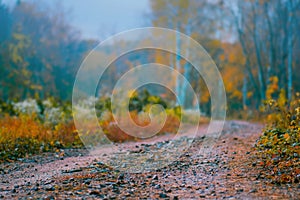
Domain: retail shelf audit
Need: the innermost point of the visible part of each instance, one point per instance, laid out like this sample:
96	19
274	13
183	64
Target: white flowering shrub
53	115
84	108
28	106
88	102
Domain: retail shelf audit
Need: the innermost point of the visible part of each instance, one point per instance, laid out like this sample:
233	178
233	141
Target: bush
139	107
279	146
33	126
26	135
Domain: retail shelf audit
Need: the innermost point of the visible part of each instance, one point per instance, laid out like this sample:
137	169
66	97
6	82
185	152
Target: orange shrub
115	134
26	135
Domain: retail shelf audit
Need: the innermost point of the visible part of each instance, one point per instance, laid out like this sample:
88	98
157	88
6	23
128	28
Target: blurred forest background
254	43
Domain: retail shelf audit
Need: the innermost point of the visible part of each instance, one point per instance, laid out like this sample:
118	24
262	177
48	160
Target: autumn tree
266	32
193	19
40	51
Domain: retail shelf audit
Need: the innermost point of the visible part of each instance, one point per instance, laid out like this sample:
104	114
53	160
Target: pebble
50	197
157	186
94	192
253	190
162	195
87	182
49	188
240	190
121	177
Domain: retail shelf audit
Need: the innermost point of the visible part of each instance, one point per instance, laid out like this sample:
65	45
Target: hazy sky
100	18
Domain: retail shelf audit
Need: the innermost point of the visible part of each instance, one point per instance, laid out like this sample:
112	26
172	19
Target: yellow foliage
272	87
25	134
281	137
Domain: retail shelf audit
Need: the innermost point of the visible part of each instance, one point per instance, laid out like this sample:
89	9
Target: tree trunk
178	66
245	91
187	101
289	50
261	77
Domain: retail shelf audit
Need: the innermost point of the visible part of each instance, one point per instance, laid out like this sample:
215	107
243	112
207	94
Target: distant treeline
39	52
255	44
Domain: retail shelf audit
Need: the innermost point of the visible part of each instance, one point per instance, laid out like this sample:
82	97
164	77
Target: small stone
100	163
157	186
87	182
168	190
49	188
162	195
50	197
94	192
240	190
253	191
155	177
121	177
127	194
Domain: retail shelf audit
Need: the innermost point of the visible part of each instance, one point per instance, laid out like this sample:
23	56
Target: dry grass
26	135
115	134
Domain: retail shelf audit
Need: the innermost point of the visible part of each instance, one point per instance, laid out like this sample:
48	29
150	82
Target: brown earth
228	170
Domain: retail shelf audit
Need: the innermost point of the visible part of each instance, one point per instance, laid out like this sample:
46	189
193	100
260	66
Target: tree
191	18
265	30
40	52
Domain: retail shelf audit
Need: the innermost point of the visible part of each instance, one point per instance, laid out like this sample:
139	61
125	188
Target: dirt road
227	171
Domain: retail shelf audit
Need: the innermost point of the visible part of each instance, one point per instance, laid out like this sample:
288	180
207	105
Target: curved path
226	170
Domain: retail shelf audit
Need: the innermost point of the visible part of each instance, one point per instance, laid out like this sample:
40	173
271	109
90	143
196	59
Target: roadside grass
25	135
33	126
